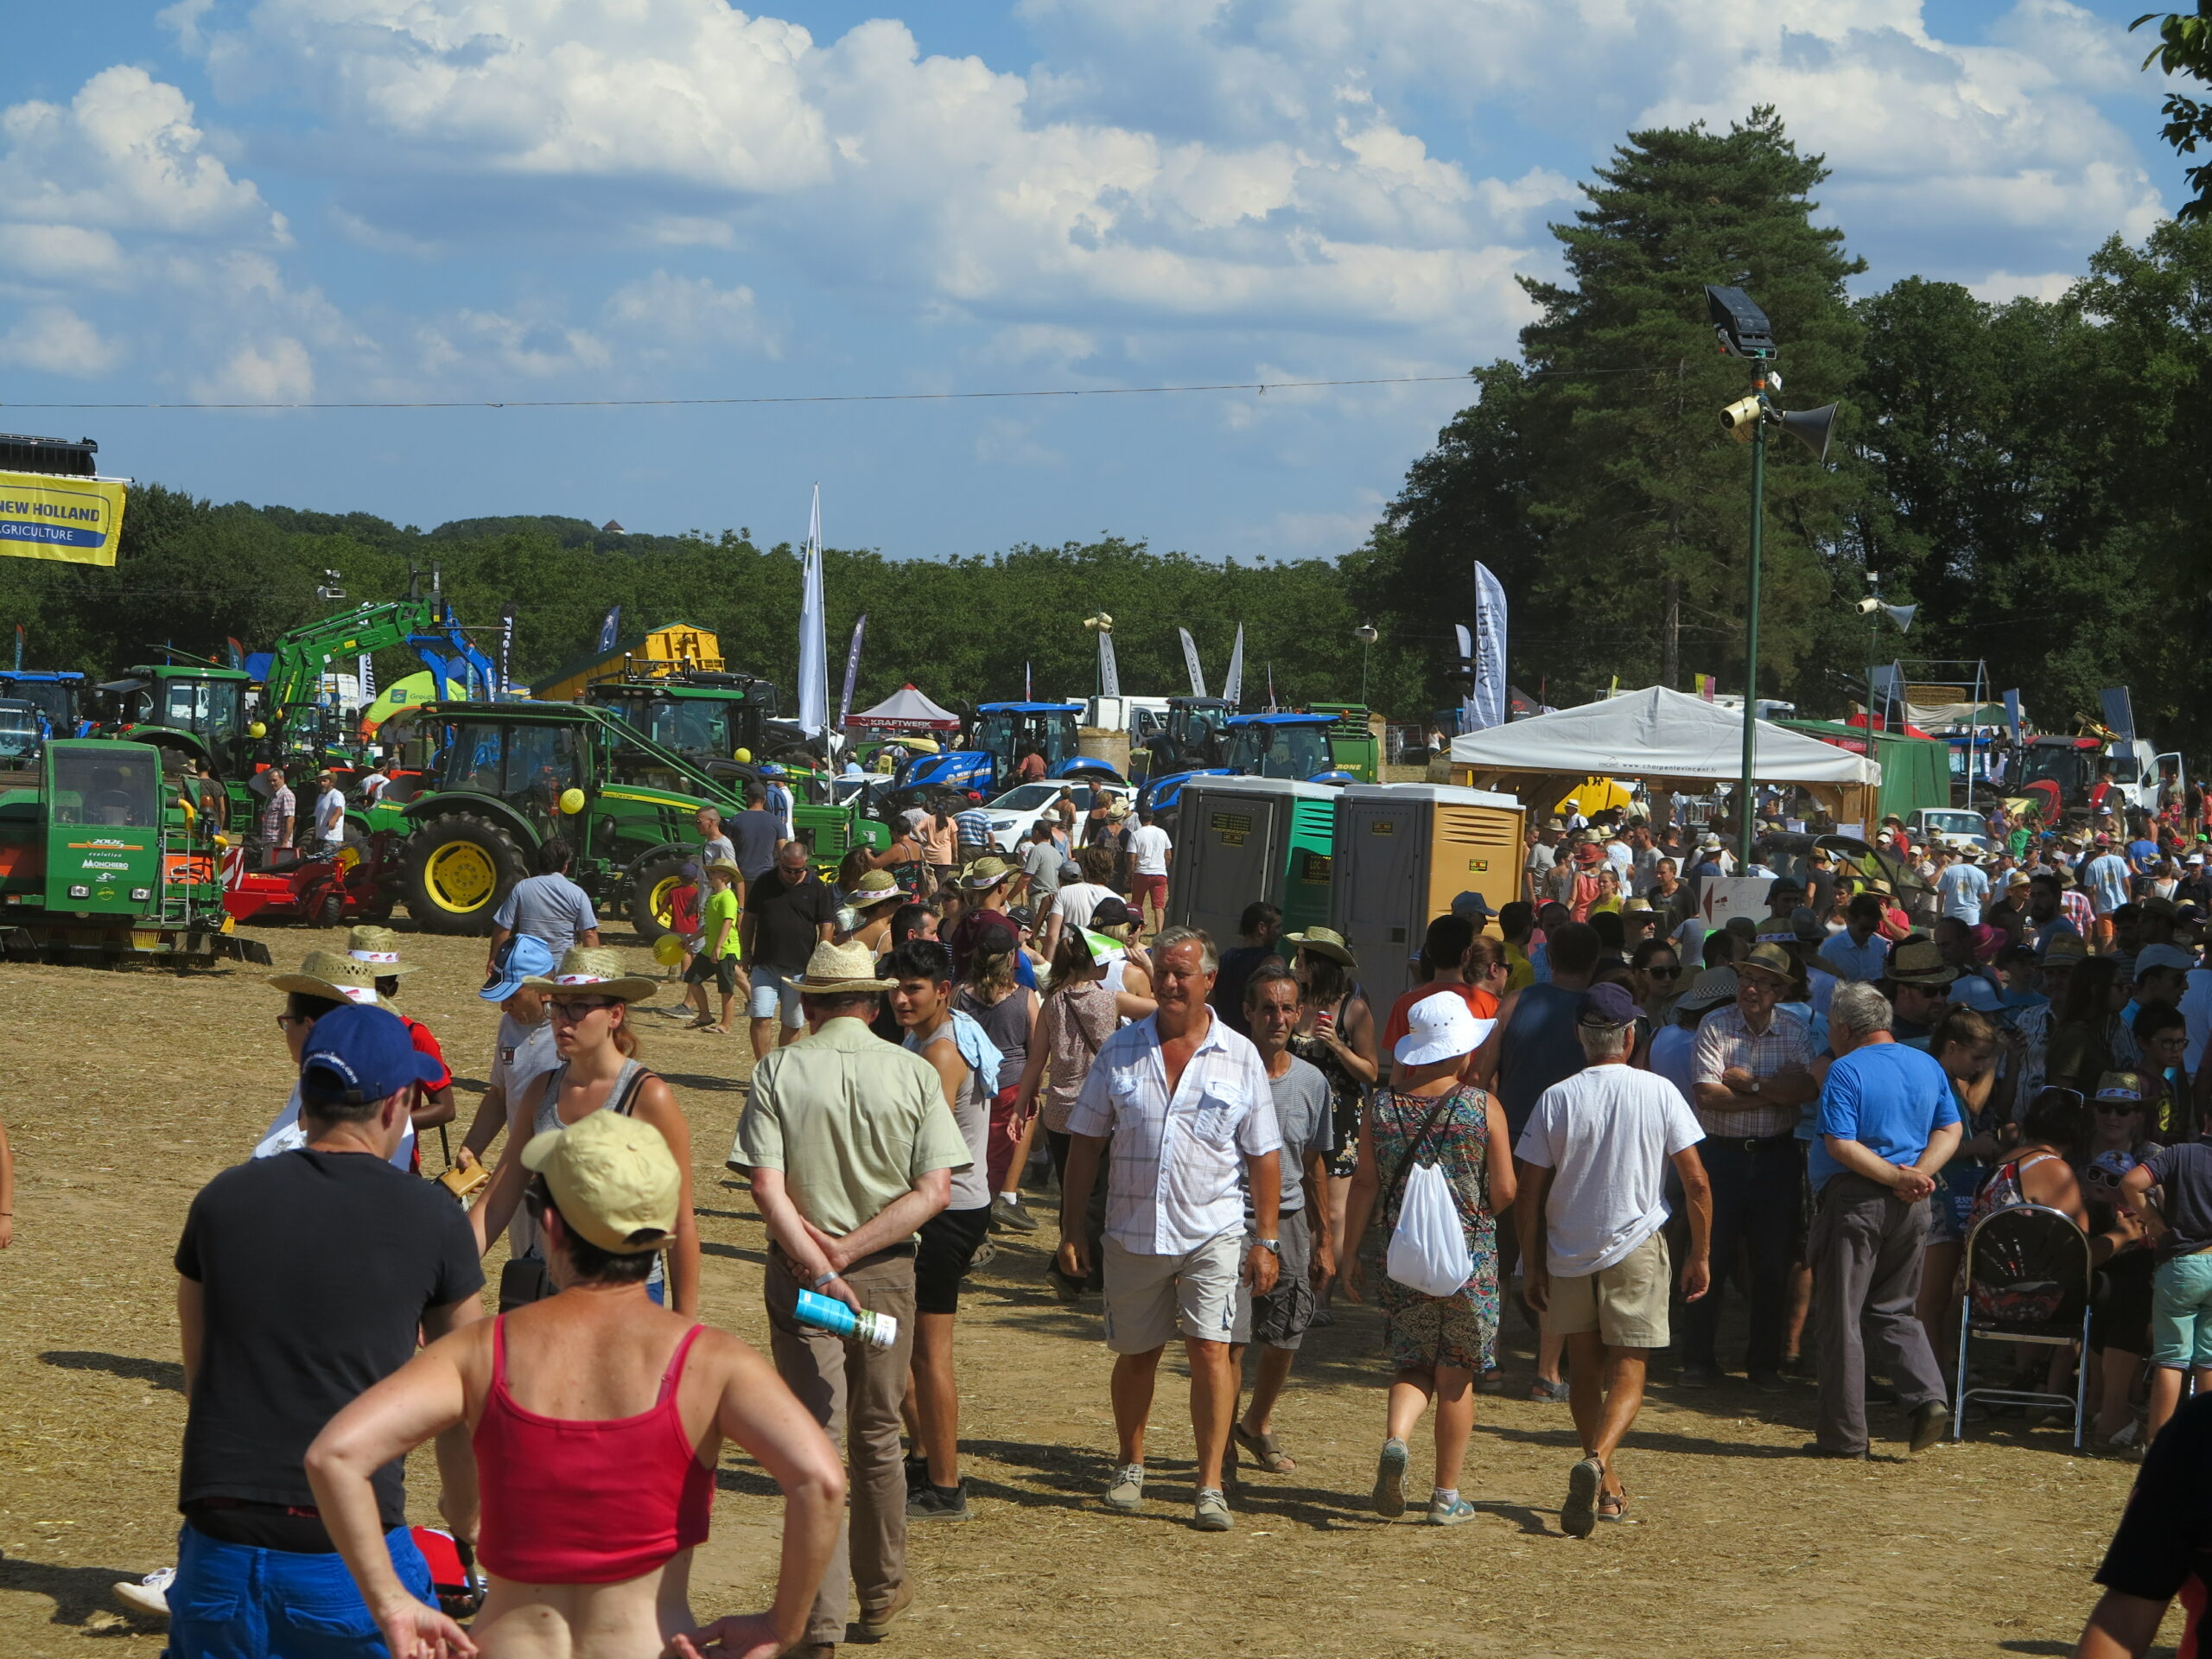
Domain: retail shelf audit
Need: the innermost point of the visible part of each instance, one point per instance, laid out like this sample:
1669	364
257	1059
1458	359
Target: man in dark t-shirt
787	913
303	1280
2163	1546
1258	928
755	834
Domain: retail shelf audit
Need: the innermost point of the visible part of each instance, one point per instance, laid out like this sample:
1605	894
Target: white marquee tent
905	710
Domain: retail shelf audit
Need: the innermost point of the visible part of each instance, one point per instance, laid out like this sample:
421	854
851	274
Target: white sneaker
150	1595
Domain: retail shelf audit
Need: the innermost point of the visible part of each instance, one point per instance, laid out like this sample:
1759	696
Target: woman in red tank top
595	1419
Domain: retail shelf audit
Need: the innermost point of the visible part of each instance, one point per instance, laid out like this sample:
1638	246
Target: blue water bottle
878	1330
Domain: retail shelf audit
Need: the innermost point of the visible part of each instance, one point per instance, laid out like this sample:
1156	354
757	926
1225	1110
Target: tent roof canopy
1656	733
905	710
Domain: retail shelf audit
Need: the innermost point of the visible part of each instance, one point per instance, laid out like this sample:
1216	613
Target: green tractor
711	720
101	864
500	780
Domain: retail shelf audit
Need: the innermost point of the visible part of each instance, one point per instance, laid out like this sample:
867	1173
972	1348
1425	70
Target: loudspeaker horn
1811	427
1902	615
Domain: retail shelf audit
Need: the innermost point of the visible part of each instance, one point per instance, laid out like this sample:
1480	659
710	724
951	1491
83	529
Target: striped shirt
974	827
1725	1039
1176	1174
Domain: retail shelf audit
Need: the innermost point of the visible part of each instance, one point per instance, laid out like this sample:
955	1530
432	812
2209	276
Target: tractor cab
1003	734
56	696
1194	737
103	828
1283	746
708	718
2058	774
22	728
205	707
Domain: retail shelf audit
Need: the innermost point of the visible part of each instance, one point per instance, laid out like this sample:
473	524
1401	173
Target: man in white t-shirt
1073	903
1961	886
329	814
524	1052
1149	852
1596	1151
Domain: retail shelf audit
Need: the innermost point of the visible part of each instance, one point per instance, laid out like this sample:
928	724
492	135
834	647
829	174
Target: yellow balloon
257	730
743	757
572	801
668	950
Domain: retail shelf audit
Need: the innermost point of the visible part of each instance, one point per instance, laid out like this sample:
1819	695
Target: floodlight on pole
1367	635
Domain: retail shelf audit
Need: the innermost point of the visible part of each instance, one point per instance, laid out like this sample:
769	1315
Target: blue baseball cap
1607	1006
527	957
365	1053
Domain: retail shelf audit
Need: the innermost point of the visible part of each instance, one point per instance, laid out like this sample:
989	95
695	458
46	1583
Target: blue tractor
55	696
1001	733
1259	746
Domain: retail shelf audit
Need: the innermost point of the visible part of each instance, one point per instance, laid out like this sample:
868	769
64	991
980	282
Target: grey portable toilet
1403	853
1242	840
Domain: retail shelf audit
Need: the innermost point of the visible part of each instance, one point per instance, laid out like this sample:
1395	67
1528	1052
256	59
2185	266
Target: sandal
1264	1450
1554	1394
1492	1381
1613	1506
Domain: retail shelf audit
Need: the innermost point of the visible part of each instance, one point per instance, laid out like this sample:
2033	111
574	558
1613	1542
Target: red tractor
355	883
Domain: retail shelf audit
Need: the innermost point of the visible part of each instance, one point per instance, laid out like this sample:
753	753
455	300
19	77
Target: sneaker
1441	1514
928	1502
1126	1493
1929	1422
1011	1216
1210	1513
150	1595
875	1623
1390	1480
2121	1439
1768	1382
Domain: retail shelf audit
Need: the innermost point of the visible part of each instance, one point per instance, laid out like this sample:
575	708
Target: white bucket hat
1438	1028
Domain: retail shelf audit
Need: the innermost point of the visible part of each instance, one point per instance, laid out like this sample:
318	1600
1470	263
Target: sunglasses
574	1012
1664	973
2118	1108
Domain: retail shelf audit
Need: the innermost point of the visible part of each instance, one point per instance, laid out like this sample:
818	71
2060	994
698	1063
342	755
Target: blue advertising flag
610	630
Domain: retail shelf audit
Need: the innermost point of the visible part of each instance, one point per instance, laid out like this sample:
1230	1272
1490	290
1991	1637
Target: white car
1023	804
1954	826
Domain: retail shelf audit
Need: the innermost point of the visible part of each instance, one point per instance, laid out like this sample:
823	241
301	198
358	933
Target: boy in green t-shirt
718	950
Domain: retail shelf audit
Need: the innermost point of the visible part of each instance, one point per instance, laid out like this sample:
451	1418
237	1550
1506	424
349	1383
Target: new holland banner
70	520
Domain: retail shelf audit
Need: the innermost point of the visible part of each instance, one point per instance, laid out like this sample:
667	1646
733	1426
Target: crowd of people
1593	1111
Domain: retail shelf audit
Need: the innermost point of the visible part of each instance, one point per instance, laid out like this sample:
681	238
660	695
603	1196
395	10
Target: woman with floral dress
1438	1344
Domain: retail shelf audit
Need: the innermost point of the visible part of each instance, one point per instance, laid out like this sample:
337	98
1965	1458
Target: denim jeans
233	1602
1755	1199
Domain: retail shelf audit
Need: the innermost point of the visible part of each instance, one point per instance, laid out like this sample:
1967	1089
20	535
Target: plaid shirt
2073	906
1725	1039
974	827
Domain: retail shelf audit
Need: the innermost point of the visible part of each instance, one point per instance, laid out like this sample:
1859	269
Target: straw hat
599	971
876	887
327	974
380	947
1767	957
1323	942
724	867
1920	962
985	873
836	969
2065	949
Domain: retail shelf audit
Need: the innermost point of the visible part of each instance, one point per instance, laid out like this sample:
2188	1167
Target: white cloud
62	252
277	370
53	339
125	155
677	314
2002	285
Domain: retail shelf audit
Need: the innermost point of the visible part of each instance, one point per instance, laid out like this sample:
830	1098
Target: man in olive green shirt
850	1147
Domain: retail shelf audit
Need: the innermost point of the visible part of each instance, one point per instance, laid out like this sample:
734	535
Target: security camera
1741	418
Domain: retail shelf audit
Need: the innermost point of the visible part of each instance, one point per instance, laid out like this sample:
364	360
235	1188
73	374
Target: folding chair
2028	1277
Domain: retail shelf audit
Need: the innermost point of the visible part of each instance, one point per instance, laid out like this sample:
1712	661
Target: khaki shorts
1624	1304
1149	1297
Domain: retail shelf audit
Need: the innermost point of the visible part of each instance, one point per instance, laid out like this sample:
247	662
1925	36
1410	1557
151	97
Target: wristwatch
1272	1246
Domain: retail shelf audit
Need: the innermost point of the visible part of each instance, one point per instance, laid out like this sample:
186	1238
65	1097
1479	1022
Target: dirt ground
124	1092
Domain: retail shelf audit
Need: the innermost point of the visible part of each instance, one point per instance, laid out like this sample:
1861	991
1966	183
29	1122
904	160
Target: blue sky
508	200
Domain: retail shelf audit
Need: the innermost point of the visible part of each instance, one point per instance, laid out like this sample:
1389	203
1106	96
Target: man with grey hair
1591	1215
1187	1104
1888	1123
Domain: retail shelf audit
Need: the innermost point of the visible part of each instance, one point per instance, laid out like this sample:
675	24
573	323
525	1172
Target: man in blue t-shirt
1888	1123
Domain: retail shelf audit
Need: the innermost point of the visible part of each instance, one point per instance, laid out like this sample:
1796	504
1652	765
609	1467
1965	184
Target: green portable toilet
1243	840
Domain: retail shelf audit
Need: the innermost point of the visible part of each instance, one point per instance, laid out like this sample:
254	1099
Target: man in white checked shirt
1187	1102
1751	1070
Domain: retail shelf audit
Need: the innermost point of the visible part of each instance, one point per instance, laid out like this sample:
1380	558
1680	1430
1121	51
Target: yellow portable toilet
1403	853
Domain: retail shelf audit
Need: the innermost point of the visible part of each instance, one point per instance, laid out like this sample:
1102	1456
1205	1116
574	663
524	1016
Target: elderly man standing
1190	1110
1888	1123
1751	1070
1593	1249
850	1147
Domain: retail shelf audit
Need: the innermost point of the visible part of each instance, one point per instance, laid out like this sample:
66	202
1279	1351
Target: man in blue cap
304	1278
523	1051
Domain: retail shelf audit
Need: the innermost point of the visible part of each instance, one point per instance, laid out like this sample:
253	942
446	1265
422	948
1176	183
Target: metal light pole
1366	634
1747	802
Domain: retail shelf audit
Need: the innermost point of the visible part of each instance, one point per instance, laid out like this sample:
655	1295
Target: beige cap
614	1178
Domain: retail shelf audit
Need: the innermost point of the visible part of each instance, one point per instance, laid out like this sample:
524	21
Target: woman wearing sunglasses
1658	969
588	998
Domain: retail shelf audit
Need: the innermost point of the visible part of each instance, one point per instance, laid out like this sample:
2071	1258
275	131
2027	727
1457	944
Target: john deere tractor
500	780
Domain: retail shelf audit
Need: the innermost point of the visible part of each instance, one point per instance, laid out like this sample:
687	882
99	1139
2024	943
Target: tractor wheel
649	887
458	870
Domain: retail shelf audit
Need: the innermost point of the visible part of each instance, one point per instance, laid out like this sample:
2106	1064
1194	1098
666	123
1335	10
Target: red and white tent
905	710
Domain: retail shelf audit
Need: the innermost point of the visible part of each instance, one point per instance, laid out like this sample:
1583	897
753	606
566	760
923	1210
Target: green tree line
2035	474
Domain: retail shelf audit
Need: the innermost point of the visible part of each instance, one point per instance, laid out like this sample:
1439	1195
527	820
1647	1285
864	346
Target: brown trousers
854	1392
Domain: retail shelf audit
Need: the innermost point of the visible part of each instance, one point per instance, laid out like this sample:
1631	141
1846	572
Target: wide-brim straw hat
1920	962
380	947
836	969
598	971
986	873
876	887
1323	942
338	978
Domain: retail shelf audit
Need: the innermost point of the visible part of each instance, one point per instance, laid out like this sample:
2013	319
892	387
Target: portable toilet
1243	840
1403	853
